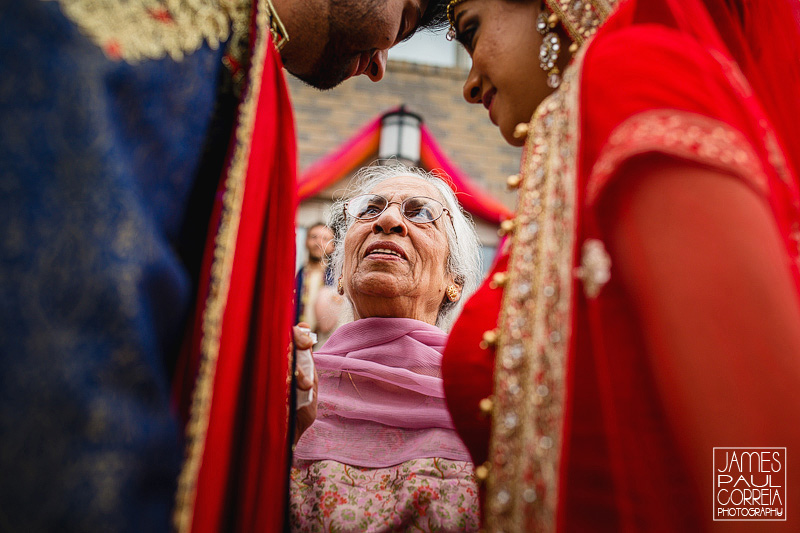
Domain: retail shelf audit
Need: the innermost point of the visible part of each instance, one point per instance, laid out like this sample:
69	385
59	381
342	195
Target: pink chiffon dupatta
381	399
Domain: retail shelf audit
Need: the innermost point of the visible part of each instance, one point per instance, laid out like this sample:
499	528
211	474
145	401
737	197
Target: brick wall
325	119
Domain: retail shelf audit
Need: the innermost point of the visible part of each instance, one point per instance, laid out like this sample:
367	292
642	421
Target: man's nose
377	65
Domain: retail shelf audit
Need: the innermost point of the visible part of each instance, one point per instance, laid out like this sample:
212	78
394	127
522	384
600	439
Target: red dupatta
761	36
233	478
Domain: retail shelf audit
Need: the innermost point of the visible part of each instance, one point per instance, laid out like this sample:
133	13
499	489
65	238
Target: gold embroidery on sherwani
219	284
137	30
535	323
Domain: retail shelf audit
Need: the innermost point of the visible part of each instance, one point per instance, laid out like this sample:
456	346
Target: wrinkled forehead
402	187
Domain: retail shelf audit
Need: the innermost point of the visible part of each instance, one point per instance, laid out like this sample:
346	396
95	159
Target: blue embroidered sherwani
99	154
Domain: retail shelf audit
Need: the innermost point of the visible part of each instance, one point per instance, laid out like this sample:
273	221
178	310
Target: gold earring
452	293
340	287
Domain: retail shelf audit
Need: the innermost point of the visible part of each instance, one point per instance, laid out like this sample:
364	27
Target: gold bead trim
535	323
521	130
489	339
486	405
499	279
482	472
506	227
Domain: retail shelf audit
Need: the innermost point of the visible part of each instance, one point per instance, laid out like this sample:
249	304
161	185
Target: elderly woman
382	454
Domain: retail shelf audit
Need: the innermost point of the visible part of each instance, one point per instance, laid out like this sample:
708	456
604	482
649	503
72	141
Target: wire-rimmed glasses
417	209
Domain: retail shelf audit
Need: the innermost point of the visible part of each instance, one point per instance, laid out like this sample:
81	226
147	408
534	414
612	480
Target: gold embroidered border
775	153
136	30
741	85
216	301
581	18
681	134
535	323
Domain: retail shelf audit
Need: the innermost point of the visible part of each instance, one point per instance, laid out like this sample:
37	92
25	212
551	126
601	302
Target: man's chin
322	80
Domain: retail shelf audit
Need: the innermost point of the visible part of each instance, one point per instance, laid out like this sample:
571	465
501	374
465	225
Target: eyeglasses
418	209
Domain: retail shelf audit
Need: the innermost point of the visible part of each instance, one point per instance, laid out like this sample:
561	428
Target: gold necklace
276	28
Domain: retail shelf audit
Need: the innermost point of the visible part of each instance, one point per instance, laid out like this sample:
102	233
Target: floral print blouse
418	495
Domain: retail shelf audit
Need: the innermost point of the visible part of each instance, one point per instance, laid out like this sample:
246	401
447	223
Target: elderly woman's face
394	267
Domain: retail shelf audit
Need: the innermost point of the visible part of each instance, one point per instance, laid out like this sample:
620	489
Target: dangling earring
340	287
550	47
452	293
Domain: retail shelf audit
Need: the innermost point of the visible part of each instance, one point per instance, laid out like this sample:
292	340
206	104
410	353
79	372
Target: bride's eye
466	37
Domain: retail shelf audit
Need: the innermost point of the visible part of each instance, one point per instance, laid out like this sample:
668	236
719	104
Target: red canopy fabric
356	152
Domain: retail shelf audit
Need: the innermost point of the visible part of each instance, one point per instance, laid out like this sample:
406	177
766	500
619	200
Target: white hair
464	258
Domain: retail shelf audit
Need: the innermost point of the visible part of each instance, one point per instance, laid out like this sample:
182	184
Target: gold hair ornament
580	18
451	32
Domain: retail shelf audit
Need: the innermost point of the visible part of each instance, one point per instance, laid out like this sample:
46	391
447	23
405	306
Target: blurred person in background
311	279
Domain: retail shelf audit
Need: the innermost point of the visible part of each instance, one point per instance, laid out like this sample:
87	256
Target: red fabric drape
241	481
762	36
364	143
341	162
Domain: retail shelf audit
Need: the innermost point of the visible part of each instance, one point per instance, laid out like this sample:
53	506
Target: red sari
584	435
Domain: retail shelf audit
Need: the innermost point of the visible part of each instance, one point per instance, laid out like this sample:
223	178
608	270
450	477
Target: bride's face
501	38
